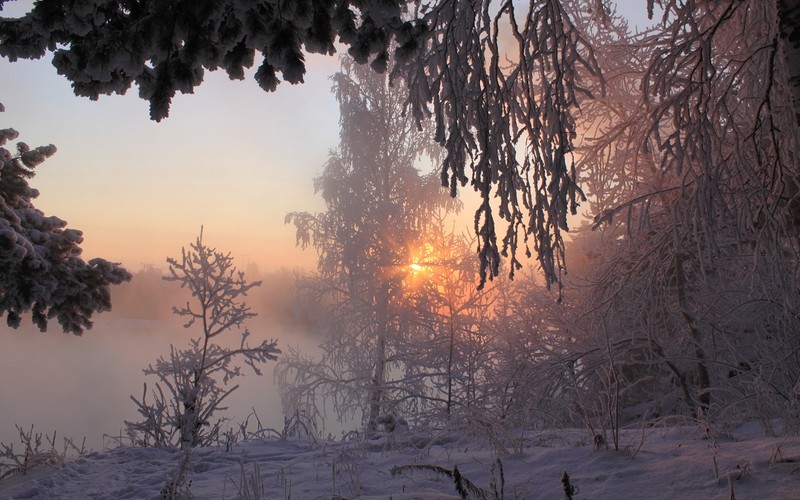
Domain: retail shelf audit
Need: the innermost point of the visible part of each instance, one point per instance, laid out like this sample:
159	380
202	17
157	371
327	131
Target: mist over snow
620	319
81	386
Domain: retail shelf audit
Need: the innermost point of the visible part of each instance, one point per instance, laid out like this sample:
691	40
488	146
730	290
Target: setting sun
421	259
416	271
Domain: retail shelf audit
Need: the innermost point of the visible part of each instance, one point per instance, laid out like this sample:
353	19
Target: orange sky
231	157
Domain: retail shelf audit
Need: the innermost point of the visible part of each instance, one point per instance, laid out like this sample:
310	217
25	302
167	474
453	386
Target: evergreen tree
41	270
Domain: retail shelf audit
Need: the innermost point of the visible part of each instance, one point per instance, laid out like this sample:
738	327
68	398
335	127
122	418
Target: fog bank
81	386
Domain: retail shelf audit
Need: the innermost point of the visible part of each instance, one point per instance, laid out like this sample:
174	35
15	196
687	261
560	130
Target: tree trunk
701	367
378	378
789	22
450	365
379	375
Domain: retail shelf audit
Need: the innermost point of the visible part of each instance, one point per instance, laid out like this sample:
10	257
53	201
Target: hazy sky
230	157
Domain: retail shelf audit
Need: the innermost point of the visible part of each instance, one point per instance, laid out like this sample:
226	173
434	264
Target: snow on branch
42	271
506	121
501	85
193	382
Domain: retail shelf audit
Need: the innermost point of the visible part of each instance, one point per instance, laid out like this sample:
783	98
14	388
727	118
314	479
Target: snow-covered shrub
534	356
34	454
42	271
390	422
299	424
193	382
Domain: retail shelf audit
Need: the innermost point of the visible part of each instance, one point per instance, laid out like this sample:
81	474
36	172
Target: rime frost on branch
41	270
193	382
501	85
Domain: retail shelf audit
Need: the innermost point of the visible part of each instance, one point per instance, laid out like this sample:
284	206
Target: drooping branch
507	126
717	87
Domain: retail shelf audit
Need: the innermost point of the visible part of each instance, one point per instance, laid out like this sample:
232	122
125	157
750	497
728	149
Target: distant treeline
148	296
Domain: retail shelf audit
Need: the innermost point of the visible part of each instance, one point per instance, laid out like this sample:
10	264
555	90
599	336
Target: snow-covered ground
667	462
85	390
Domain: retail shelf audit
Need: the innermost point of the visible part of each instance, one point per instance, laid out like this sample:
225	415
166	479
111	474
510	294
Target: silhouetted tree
503	86
507	124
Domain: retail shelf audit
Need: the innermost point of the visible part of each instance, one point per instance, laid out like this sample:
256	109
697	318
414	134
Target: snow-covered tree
503	85
378	204
41	269
679	141
193	382
530	377
452	346
694	273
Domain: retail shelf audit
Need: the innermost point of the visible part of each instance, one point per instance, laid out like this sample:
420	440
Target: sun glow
416	268
421	258
420	266
417	271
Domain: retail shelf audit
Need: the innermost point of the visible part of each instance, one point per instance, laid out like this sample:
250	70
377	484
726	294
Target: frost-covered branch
193	382
41	270
722	120
507	124
34	454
